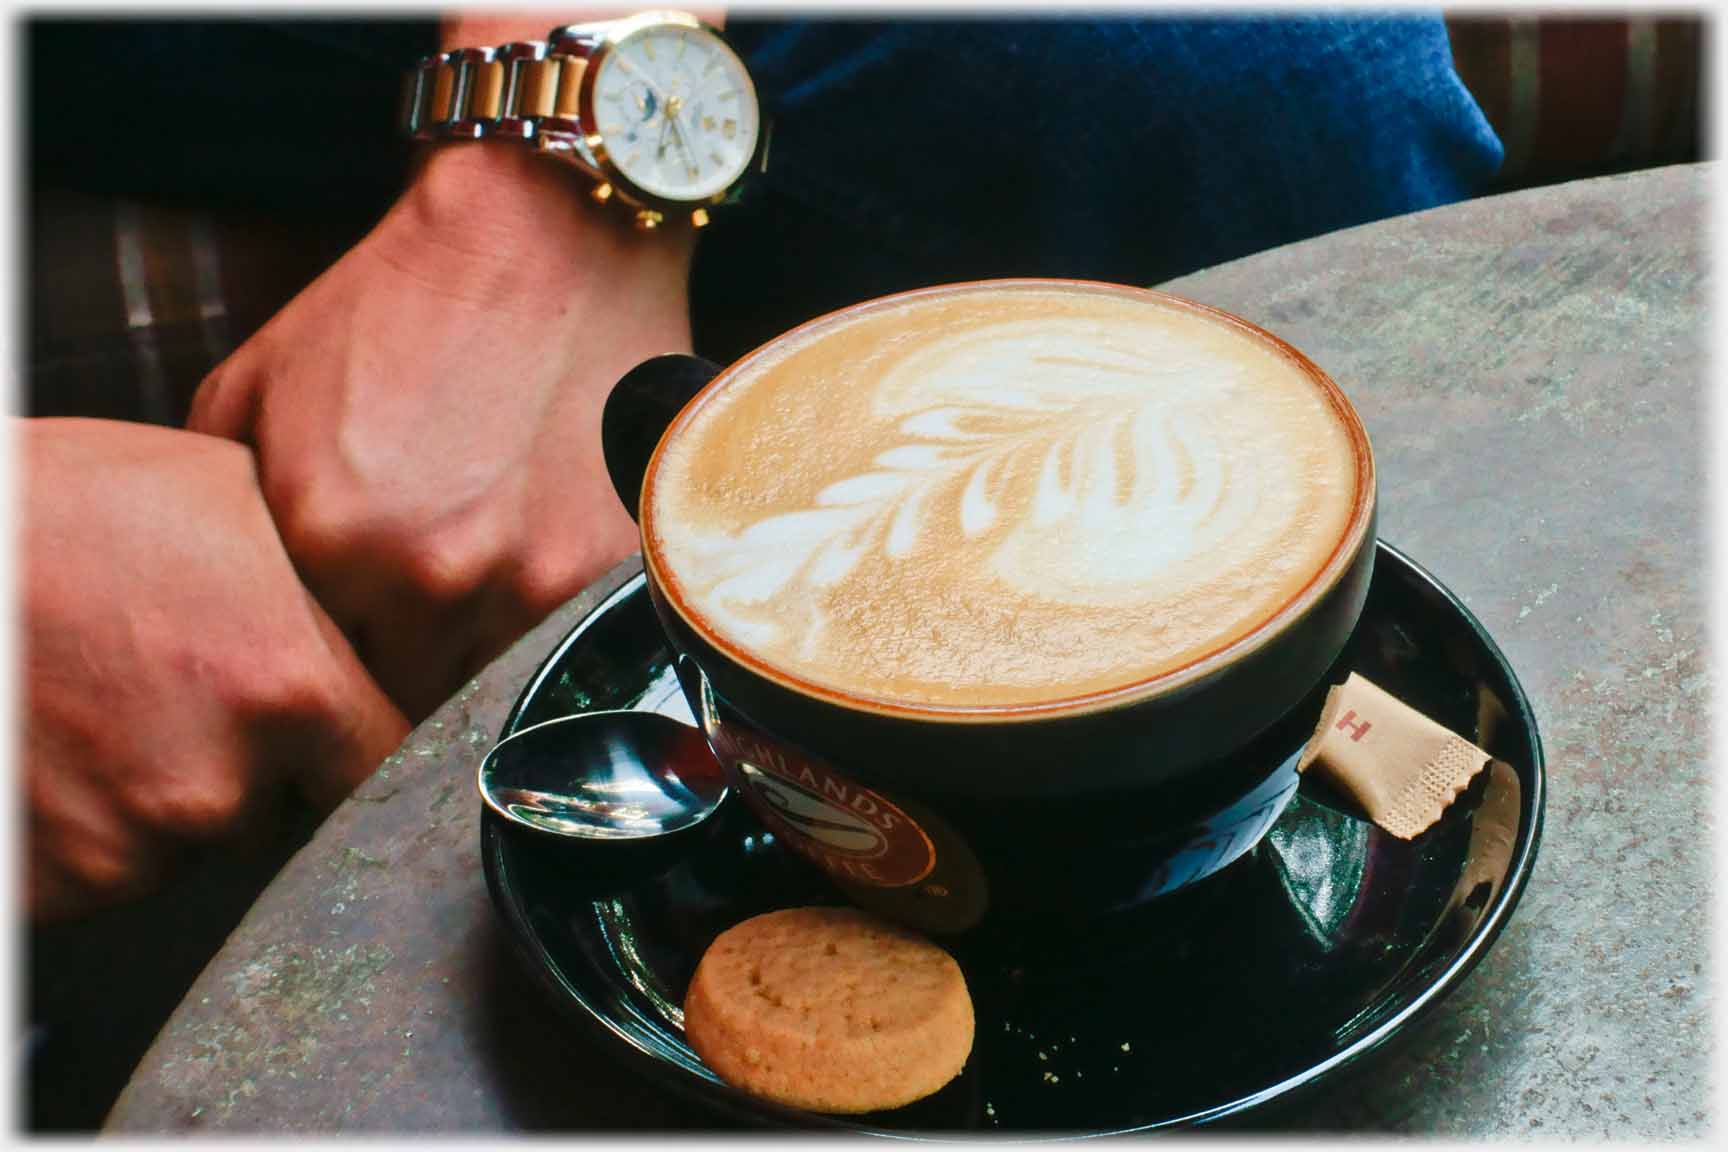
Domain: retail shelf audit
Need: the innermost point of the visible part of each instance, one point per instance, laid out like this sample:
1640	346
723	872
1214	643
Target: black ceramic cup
951	821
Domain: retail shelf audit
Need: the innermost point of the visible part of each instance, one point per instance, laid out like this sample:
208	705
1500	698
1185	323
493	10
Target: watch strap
514	90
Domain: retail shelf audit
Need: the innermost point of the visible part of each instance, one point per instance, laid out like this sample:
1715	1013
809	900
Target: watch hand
678	135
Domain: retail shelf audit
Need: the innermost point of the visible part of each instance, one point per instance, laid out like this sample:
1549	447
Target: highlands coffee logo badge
850	832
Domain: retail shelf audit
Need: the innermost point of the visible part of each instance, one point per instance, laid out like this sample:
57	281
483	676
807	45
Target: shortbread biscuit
829	1009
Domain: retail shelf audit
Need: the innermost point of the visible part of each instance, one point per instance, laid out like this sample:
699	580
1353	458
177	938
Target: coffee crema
1000	494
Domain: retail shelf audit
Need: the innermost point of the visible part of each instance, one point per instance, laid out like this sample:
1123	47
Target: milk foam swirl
1004	498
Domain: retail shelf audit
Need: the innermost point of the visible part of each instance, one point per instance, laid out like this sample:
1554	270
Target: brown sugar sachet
1403	768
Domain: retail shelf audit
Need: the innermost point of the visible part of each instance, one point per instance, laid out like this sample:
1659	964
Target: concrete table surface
1530	369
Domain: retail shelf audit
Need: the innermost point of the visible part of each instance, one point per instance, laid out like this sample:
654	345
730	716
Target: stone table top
1530	368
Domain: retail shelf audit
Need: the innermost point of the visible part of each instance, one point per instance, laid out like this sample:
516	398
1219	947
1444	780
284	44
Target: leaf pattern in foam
1111	438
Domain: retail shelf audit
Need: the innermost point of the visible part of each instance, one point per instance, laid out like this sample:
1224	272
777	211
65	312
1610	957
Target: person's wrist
498	187
496	204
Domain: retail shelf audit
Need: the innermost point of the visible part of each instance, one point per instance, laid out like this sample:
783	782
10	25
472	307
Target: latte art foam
1001	494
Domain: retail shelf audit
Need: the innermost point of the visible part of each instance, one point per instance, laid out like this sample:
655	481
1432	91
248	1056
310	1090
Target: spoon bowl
604	776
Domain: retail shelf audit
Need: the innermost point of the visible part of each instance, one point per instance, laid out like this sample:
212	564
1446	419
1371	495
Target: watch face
677	112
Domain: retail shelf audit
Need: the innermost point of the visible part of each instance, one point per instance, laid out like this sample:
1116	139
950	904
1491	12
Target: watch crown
699	218
647	220
602	192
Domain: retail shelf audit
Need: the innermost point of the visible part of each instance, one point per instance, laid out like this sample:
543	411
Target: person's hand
427	413
180	682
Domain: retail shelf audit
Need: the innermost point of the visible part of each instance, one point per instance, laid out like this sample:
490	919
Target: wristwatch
656	108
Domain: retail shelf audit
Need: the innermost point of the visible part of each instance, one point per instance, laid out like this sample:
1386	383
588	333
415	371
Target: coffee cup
1004	601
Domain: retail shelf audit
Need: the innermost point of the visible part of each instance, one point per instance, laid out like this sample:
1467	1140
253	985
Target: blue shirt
912	152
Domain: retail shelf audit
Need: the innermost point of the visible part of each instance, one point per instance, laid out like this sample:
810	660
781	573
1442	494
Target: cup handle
641	406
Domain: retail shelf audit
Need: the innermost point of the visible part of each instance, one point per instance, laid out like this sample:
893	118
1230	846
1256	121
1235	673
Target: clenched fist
179	679
426	415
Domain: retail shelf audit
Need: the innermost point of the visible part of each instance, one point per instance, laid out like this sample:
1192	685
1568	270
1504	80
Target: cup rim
1214	660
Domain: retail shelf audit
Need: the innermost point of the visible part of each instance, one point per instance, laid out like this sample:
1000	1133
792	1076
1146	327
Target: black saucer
1312	951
